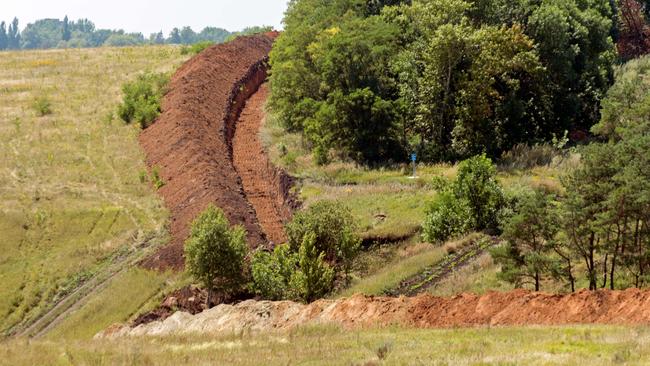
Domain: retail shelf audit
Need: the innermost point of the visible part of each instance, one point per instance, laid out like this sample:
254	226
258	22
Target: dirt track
192	145
630	307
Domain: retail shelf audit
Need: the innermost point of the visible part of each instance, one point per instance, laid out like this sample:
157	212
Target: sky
149	16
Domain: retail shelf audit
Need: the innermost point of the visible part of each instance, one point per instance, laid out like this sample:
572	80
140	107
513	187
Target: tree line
374	80
55	33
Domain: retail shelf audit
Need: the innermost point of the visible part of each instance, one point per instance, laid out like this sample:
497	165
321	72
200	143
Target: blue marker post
414	158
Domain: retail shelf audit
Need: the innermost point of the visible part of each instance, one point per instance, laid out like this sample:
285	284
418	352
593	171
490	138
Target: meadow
77	203
329	345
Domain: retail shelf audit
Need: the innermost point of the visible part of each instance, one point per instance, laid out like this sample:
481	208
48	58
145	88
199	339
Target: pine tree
3	36
66	29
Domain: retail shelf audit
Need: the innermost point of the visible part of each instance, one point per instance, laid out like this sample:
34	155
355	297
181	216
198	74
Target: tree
529	235
215	253
188	36
4	41
13	35
66	29
334	230
175	36
634	38
157	38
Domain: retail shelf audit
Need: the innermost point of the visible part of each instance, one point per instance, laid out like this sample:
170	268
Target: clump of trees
598	231
322	244
321	247
372	80
141	102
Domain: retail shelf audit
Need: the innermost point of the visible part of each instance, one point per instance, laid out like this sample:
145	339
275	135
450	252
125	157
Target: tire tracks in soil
434	274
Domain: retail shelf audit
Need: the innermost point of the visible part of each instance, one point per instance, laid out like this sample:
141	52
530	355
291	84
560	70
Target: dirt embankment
192	142
630	307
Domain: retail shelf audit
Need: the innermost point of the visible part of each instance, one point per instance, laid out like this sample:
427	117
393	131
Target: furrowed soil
191	145
629	307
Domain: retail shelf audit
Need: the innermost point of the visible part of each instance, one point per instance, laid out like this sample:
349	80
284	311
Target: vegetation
56	33
371	81
604	211
215	253
142	99
328	345
72	201
333	228
472	202
322	244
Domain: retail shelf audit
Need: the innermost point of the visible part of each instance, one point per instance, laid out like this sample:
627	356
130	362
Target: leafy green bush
272	272
196	48
42	106
476	183
142	98
446	217
215	252
334	229
286	274
473	202
315	278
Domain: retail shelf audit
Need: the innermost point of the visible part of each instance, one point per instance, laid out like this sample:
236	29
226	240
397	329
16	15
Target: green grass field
328	345
73	182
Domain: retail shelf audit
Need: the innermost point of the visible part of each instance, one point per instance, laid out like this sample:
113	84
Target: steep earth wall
191	142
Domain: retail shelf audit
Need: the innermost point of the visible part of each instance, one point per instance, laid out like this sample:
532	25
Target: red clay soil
191	142
515	308
259	177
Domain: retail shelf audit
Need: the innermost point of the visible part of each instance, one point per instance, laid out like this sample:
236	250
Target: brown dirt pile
630	307
191	142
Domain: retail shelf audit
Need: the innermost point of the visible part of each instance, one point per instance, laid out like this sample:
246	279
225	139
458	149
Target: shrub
476	184
215	252
334	229
142	98
315	278
446	217
272	272
196	48
42	106
472	202
286	274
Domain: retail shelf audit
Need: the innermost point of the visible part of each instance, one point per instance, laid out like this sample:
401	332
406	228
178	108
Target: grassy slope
572	345
389	205
70	182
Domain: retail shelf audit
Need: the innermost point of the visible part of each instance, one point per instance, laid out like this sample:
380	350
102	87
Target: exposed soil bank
266	187
516	308
191	142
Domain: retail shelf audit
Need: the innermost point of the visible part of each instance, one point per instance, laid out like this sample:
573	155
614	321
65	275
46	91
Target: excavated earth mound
191	143
630	307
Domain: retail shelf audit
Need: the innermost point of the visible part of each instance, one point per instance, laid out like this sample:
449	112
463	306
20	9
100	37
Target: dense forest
55	33
374	80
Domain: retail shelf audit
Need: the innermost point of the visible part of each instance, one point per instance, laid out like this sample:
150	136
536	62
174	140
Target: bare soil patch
515	308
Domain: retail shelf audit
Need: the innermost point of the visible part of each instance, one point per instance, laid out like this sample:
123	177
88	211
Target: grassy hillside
73	185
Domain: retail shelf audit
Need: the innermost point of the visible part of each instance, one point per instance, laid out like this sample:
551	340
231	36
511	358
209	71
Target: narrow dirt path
254	168
432	275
